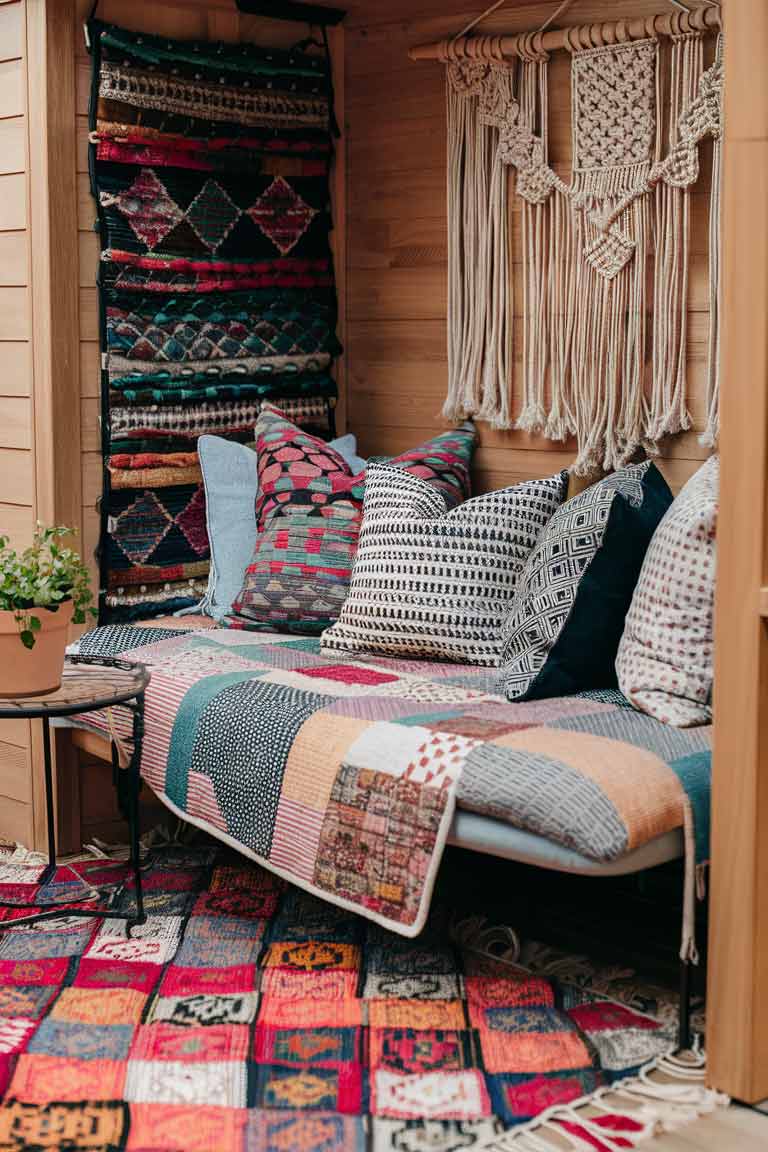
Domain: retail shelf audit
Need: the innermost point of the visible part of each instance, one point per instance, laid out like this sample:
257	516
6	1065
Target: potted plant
43	590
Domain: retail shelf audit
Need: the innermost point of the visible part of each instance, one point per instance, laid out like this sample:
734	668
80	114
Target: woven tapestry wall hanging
605	257
210	168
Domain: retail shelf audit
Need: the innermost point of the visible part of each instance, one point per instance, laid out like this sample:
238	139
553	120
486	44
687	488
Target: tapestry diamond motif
282	215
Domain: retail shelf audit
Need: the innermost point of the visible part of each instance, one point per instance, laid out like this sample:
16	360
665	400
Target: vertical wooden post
52	199
737	1010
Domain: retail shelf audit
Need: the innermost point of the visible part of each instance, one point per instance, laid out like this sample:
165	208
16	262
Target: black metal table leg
50	870
134	768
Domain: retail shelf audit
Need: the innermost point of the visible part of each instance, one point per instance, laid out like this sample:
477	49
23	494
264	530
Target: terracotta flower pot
34	671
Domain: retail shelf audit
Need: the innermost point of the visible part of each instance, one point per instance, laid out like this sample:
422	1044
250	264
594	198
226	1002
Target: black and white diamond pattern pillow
567	615
433	583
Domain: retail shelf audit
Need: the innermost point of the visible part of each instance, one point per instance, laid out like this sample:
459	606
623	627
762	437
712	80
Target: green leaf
34	623
28	638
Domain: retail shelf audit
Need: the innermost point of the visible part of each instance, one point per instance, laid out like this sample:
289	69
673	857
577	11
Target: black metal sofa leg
684	1013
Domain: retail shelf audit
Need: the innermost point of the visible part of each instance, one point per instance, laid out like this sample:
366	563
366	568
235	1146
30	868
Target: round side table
89	684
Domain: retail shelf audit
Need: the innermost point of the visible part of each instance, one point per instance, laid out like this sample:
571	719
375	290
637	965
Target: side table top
88	683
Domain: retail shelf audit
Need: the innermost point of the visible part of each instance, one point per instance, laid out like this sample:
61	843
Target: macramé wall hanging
605	257
210	168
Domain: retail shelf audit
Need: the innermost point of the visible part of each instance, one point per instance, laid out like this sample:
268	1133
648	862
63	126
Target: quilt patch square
411	1051
377	841
44	1079
78	1041
216	1043
283	1130
187	1082
205	1009
195	1128
331	1089
91	1006
430	1095
91	1127
319	1047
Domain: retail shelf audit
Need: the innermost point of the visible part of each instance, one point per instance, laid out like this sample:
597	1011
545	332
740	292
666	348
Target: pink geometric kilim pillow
664	663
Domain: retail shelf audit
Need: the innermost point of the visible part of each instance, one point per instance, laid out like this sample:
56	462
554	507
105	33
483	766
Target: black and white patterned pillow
433	583
567	616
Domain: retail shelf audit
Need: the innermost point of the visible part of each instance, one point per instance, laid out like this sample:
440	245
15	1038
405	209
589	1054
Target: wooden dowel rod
585	36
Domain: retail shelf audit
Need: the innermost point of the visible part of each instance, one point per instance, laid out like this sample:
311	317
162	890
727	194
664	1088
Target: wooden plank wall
17	490
397	260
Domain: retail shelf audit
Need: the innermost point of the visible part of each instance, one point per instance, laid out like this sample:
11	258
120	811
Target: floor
730	1130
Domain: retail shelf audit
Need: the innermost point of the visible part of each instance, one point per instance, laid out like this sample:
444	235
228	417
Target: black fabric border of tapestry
237	307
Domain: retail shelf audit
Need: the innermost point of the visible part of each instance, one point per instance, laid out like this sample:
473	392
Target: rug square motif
93	1006
205	1009
412	1051
187	1082
194	1128
431	1095
87	1127
319	1047
335	1089
283	1130
215	1043
78	1041
50	972
25	1000
43	1079
14	1034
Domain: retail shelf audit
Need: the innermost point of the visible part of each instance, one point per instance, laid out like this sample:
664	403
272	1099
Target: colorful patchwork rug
210	170
343	777
247	1016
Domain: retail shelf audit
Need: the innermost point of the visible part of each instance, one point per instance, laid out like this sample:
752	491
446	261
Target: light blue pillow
231	482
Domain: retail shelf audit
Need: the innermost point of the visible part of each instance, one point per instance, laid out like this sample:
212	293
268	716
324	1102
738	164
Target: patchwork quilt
342	777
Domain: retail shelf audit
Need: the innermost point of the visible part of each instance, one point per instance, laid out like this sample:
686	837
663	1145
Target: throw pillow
231	486
309	510
435	583
664	664
567	617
